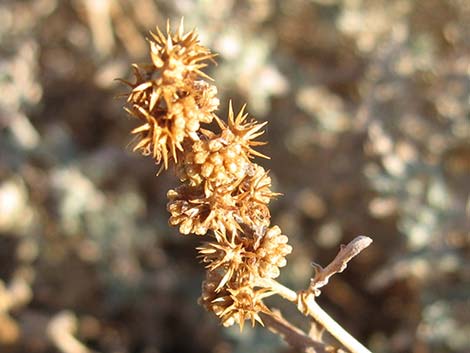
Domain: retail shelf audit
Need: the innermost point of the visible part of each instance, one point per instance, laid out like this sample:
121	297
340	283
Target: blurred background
368	103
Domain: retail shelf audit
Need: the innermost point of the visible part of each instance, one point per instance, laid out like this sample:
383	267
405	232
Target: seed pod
235	303
166	97
196	213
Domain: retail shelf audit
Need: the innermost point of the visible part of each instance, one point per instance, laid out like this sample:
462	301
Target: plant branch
293	336
336	330
339	263
305	300
306	304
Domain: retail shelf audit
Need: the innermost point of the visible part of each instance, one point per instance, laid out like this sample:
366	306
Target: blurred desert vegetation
368	103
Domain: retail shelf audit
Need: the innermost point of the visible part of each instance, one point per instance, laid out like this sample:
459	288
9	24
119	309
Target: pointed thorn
160	170
161	36
181	28
154	36
202	57
173	152
258	154
230	111
258	318
220	123
142	86
255	136
141	144
241	112
242	323
141	129
169	43
124	81
165	156
203	74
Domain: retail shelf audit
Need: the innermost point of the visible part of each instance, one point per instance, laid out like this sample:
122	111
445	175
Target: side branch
330	325
293	336
339	263
306	302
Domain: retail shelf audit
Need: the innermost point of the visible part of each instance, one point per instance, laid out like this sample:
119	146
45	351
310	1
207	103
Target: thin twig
336	330
306	299
340	262
306	304
293	336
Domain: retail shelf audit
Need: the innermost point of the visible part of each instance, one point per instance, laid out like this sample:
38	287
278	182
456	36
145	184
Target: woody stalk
223	194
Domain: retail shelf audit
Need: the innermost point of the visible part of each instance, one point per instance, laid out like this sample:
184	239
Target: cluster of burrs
223	193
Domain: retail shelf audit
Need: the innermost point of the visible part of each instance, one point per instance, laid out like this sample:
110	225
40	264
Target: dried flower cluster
223	193
167	97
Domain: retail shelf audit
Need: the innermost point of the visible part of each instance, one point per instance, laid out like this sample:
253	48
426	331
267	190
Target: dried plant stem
343	336
306	302
339	263
308	305
294	336
278	288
